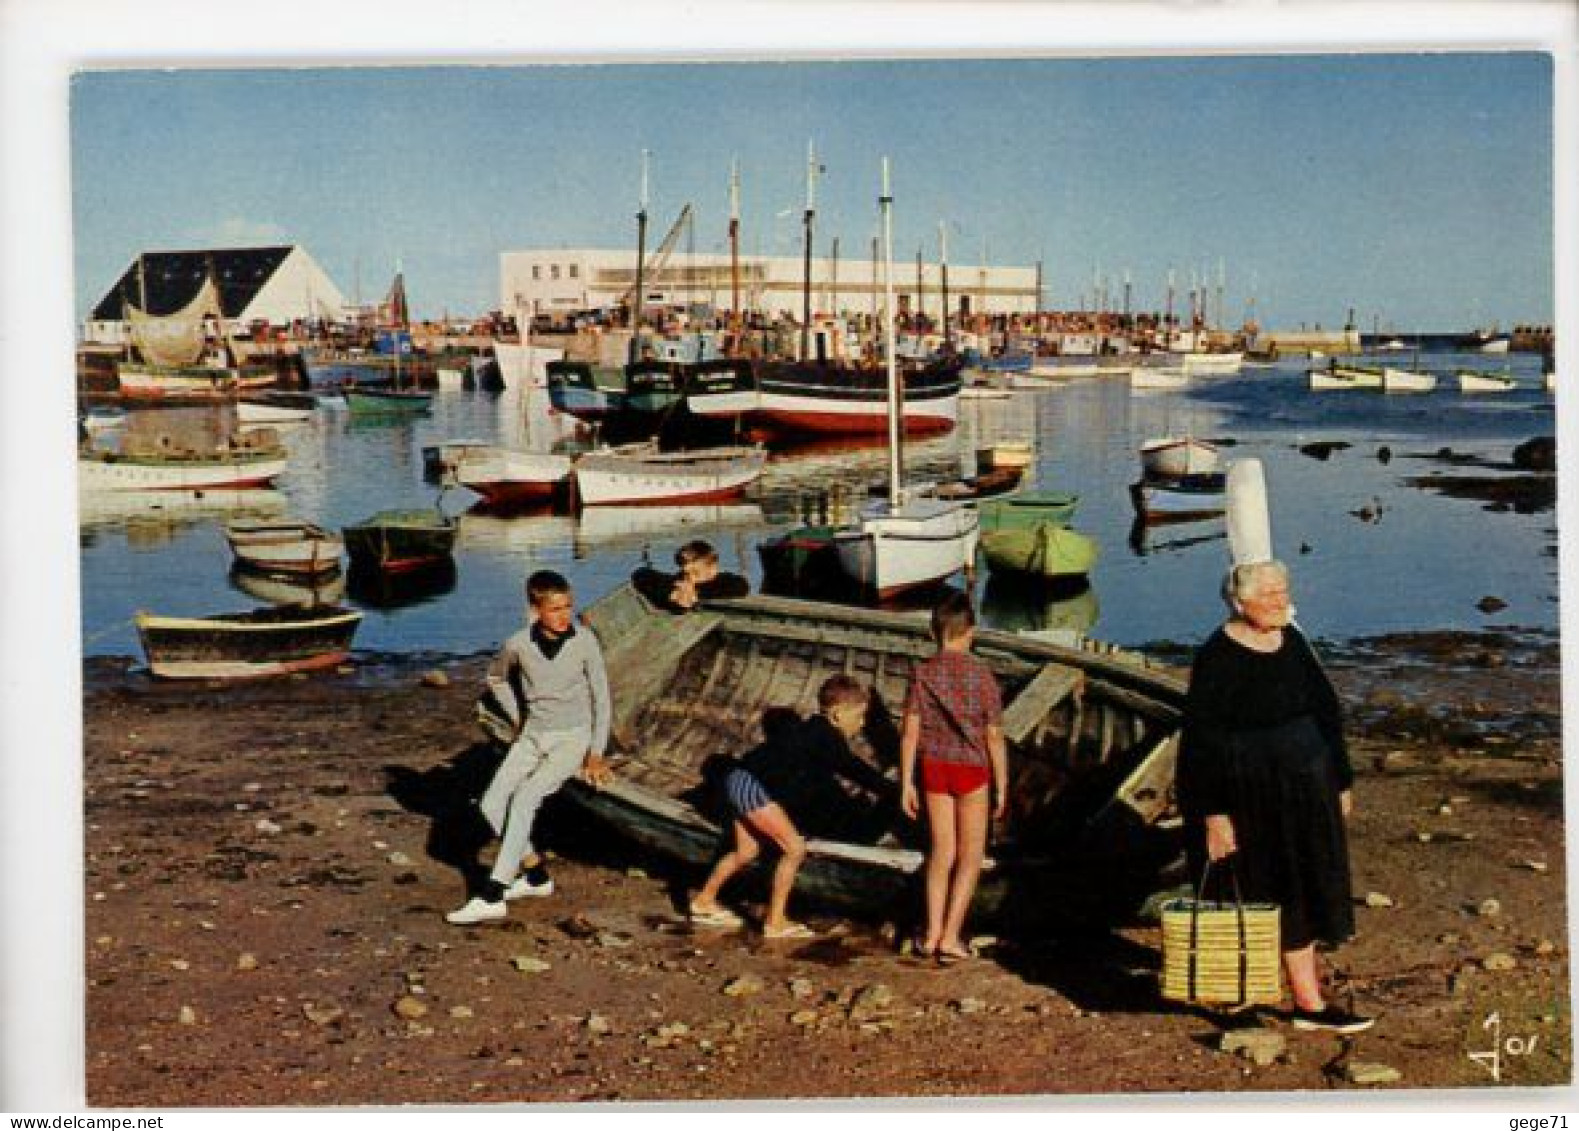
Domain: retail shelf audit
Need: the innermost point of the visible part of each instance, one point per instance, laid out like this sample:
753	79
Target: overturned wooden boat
263	642
1092	745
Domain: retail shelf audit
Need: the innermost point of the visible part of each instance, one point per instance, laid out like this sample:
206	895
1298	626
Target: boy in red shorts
954	718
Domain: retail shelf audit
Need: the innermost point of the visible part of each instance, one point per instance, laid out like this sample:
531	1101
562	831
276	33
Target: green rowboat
1027	509
1046	550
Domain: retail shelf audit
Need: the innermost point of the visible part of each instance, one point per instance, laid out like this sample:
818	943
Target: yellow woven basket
1221	953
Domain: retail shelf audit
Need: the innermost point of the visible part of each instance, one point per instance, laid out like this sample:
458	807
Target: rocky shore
266	881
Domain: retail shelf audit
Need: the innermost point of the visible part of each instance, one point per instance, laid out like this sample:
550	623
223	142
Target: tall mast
943	270
896	463
811	212
734	245
874	295
920	307
833	279
641	255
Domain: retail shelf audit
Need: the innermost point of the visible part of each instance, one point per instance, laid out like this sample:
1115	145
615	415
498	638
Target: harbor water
1370	551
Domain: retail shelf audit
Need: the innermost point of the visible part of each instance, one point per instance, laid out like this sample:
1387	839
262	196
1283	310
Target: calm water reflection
1417	560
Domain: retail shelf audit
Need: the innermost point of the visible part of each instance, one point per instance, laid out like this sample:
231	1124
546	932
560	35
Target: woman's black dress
1263	744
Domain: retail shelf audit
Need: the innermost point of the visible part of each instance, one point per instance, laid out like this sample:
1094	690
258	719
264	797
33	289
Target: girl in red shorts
954	718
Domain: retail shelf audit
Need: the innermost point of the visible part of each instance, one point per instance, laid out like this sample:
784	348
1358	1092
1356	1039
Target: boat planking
250	645
1092	741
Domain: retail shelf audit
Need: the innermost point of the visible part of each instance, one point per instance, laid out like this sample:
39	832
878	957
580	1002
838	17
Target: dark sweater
799	765
656	585
1234	689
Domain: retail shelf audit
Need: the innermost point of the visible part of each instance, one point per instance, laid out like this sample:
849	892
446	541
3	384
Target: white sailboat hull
1407	381
640	475
122	473
1485	383
923	542
503	475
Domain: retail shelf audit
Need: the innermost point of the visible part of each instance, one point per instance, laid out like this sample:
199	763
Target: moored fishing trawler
508	477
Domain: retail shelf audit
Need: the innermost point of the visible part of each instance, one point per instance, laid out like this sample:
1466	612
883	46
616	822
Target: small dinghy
250	645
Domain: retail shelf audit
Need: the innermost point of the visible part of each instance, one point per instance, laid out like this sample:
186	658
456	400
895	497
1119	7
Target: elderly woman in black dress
1264	777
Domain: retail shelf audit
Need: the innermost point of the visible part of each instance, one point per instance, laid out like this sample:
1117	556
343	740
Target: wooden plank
1036	699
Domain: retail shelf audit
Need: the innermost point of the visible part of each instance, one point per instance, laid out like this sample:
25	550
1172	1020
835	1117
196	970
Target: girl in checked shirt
954	718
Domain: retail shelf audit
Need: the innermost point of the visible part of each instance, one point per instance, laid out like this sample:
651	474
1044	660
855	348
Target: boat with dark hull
250	645
400	541
1092	745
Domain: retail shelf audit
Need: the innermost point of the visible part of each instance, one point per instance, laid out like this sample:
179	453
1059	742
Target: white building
277	285
563	282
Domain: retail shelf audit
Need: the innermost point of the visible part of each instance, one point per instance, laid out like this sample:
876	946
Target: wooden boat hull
284	547
1470	381
790	398
139	381
387	402
400	542
1212	364
1407	381
505	477
643	476
108	471
1158	377
1172	457
1047	551
1092	742
267	642
1028	509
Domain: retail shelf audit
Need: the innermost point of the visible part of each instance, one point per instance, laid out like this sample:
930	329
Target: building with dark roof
278	285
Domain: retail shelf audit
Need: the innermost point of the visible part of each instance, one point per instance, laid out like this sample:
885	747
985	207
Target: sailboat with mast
174	356
903	542
402	397
826	388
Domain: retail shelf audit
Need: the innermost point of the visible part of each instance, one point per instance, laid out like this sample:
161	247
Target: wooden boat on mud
1092	745
400	541
264	642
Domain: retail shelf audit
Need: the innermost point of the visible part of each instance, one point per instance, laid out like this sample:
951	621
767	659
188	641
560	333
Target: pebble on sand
743	985
247	962
435	678
1361	1072
1262	1046
527	964
1488	908
187	1015
322	1014
410	1008
1378	899
1499	961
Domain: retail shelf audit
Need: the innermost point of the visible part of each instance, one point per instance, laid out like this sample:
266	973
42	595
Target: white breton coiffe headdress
1249	523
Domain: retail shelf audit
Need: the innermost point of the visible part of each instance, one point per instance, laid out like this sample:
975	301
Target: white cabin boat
1474	381
1407	381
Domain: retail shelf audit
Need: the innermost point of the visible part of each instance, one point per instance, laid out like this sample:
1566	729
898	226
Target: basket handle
1195	919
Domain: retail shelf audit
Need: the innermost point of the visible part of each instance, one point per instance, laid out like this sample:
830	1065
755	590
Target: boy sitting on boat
555	673
783	787
699	579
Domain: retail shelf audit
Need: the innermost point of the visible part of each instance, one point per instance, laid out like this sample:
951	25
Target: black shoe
1333	1019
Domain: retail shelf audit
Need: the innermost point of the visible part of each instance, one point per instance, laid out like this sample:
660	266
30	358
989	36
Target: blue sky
1415	188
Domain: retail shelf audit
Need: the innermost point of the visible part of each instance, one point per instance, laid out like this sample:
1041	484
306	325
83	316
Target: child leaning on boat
953	718
556	672
781	788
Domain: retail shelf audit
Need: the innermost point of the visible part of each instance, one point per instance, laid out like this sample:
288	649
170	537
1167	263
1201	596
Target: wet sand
267	869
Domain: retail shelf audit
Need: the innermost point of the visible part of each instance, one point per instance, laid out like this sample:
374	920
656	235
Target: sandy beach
266	882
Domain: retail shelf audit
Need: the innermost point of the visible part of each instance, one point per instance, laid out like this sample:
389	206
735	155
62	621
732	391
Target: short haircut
697	551
953	617
1245	579
842	690
545	583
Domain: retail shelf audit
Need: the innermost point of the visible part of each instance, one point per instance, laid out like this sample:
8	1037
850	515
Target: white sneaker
478	910
521	887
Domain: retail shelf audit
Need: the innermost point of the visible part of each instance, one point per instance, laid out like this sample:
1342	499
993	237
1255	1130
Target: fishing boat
1173	456
1045	372
1092	740
1338	374
100	470
1496	343
264	642
284	545
1158	377
256	411
507	477
440	460
1027	509
387	402
400	541
1048	550
184	355
1006	453
1178	500
574	388
641	474
1212	364
1478	381
1396	380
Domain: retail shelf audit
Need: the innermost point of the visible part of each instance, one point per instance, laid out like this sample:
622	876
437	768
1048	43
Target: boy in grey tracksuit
556	672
